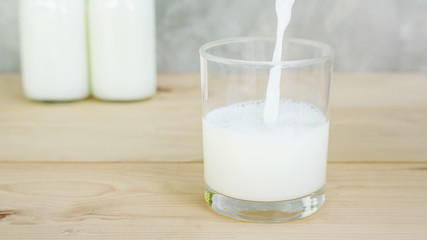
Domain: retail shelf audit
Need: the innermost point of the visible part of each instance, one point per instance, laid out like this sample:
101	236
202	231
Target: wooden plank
165	201
375	117
379	117
165	128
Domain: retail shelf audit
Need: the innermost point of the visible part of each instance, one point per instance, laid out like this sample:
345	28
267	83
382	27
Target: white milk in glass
123	49
53	49
245	158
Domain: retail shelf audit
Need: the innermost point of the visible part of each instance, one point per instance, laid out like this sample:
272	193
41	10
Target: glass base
119	101
265	212
58	102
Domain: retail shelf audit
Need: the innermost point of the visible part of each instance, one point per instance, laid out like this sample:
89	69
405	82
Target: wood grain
165	201
95	170
375	117
165	128
379	118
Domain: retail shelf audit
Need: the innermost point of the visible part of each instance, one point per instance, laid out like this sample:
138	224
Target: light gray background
369	35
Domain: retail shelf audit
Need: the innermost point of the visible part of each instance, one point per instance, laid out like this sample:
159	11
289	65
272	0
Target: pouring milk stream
272	100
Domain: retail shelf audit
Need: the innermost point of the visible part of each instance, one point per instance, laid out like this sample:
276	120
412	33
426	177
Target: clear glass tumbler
256	170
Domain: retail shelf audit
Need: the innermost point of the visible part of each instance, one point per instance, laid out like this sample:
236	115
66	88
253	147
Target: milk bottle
122	49
53	49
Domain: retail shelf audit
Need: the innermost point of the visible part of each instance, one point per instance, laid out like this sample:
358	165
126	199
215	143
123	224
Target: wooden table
96	170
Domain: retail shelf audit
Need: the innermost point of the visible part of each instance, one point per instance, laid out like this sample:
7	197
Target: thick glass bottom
265	212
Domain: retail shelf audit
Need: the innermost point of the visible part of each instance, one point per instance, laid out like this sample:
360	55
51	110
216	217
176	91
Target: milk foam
246	117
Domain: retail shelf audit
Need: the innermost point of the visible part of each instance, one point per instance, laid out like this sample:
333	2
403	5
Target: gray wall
369	35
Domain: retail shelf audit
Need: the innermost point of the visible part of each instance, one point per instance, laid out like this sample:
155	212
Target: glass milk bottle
122	49
53	49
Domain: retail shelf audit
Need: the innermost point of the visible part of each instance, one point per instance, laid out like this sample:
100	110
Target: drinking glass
254	170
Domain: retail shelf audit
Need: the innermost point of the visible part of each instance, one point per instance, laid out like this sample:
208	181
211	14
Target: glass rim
328	56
